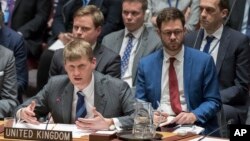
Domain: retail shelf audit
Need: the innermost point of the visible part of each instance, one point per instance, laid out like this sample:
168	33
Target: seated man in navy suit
182	80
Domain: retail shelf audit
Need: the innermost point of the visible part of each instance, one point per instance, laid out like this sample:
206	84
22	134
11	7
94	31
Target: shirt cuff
117	124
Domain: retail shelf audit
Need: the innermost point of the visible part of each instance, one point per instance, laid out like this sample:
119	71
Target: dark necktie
85	2
8	12
209	41
173	88
126	55
80	106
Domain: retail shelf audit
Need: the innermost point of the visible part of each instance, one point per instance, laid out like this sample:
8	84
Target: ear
224	13
98	30
65	67
184	30
158	32
93	63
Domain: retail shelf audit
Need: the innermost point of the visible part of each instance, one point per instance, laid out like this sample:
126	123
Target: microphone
47	123
229	122
58	100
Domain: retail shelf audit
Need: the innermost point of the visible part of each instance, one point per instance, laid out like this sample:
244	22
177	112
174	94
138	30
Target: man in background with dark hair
230	51
184	81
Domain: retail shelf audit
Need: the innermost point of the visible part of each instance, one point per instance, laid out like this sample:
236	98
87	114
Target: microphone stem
46	127
209	134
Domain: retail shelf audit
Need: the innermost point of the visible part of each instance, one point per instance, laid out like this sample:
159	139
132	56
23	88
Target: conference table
165	136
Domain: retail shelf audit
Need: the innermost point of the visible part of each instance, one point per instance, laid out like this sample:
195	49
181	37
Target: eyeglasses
175	32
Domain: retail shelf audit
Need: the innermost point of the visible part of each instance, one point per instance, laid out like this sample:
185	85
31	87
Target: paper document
56	45
169	119
189	128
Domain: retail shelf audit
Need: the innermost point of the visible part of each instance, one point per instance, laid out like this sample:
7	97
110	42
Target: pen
159	108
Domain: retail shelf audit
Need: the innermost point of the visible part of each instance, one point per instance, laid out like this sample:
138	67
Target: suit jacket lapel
143	41
158	74
119	40
187	69
16	5
198	39
66	107
100	99
224	44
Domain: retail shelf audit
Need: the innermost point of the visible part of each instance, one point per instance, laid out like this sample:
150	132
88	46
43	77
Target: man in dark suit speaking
85	97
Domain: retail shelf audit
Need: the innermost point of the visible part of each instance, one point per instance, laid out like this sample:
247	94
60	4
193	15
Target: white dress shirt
165	104
137	34
88	99
214	46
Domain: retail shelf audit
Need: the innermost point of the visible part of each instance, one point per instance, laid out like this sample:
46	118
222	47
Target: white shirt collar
88	90
179	56
93	46
137	33
217	34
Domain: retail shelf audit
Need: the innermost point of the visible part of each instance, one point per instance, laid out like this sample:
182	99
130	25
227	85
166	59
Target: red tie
173	88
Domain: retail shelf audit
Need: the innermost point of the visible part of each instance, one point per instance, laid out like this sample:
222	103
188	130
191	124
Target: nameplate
35	134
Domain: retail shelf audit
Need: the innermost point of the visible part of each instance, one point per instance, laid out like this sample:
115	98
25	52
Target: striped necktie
126	55
80	106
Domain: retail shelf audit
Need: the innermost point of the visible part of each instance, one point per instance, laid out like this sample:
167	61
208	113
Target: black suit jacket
30	18
107	62
111	9
232	65
237	14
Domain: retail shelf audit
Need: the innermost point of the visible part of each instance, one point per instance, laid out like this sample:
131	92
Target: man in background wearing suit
62	25
87	25
8	82
15	42
144	39
29	19
85	97
184	83
230	51
65	10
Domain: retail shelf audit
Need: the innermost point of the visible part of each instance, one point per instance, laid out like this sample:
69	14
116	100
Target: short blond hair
93	11
76	49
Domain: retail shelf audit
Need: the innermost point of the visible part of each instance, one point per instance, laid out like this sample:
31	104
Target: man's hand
96	123
184	118
159	117
65	37
27	114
